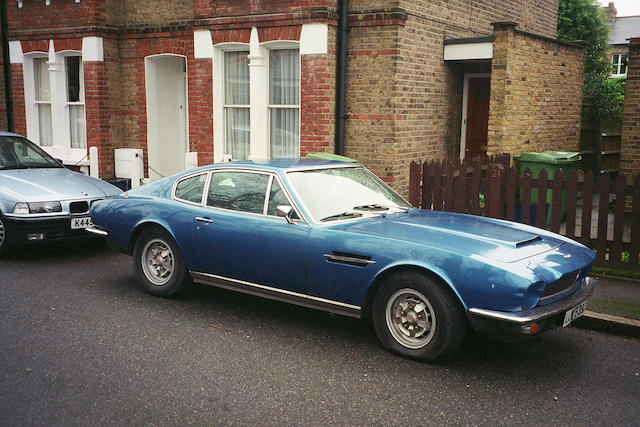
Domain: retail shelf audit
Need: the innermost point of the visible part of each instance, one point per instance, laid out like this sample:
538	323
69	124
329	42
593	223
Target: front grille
561	285
79	207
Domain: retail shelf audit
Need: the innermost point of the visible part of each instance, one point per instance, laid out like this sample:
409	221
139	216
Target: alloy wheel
410	318
158	261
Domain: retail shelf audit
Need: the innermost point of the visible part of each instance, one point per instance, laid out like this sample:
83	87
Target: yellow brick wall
536	94
630	145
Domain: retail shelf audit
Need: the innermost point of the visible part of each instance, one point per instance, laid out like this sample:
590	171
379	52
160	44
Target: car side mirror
285	211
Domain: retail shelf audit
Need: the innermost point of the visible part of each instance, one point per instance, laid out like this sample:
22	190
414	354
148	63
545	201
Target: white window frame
281	45
618	64
60	117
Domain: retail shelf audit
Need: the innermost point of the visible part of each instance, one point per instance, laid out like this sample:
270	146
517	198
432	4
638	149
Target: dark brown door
477	116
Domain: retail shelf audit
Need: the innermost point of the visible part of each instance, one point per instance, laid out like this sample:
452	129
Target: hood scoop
533	240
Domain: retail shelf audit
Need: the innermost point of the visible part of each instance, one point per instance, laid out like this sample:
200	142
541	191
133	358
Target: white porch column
258	99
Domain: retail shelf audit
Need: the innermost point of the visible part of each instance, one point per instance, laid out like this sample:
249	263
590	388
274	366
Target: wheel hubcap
410	318
1	233
157	262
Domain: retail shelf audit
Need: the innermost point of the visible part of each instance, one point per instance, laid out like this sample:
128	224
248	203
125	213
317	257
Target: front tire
159	265
417	317
4	245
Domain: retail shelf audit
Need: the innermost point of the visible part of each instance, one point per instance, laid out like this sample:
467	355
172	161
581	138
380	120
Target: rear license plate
83	222
574	313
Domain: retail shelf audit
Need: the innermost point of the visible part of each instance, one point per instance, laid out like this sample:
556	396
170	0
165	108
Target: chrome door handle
202	219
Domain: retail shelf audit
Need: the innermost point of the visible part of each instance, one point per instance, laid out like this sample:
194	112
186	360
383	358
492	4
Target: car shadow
79	249
543	356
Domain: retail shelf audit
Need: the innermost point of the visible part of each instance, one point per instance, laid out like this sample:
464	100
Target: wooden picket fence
601	213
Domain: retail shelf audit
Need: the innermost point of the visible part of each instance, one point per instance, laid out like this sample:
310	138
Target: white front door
166	87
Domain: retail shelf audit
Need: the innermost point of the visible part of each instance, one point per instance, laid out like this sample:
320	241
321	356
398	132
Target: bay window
55	103
256	91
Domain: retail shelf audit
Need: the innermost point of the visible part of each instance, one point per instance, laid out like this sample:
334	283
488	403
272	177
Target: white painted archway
166	93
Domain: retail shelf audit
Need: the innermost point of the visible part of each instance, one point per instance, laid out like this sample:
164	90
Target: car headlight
37	208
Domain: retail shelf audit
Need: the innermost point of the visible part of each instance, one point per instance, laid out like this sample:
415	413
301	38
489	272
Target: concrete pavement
614	307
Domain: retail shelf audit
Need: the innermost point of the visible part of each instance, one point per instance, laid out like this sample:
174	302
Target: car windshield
344	193
20	153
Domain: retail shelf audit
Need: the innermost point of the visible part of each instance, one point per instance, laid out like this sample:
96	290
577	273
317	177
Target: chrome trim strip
97	231
539	313
277	294
360	262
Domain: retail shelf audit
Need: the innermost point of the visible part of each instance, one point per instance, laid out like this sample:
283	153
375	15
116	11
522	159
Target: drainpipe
6	65
341	74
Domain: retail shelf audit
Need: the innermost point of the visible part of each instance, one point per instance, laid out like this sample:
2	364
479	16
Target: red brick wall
17	89
34	16
317	106
201	109
3	98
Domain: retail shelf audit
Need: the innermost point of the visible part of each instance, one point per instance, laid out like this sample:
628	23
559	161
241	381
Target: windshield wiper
377	207
347	214
371	207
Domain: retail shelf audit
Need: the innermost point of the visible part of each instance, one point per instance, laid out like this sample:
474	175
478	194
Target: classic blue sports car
39	198
332	236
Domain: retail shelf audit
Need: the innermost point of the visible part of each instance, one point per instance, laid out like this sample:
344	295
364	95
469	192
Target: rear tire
417	317
159	265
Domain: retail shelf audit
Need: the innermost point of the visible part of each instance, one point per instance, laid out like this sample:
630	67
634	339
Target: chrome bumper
97	231
539	313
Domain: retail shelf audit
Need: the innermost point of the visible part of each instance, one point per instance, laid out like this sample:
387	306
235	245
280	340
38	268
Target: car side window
278	198
238	191
191	189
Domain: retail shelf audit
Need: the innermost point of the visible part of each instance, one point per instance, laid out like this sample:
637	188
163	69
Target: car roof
5	133
284	165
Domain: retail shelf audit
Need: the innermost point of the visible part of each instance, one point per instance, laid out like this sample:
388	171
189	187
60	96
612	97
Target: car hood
48	184
464	234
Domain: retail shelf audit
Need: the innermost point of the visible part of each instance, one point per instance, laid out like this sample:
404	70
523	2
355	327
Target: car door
240	237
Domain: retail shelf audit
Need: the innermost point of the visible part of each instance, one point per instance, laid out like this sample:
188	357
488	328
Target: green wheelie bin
566	161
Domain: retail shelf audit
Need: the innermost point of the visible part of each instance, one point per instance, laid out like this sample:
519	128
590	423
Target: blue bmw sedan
332	236
40	199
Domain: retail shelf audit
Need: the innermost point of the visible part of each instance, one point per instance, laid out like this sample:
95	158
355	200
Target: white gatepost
94	166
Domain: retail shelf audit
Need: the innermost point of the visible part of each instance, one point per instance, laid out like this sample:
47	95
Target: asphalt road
81	344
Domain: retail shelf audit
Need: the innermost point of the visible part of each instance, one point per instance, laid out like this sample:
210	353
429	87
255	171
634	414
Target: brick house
621	30
194	81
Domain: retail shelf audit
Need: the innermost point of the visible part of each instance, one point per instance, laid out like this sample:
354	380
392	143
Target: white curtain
41	72
236	101
76	119
43	100
284	101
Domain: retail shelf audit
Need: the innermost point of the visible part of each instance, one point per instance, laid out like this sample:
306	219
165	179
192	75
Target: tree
585	20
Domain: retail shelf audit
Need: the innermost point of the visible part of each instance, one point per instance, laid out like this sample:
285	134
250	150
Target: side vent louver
349	259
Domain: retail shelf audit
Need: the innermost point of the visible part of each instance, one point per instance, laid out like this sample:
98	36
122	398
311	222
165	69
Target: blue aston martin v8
332	236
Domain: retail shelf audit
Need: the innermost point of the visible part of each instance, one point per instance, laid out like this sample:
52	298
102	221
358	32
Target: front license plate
83	222
574	313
